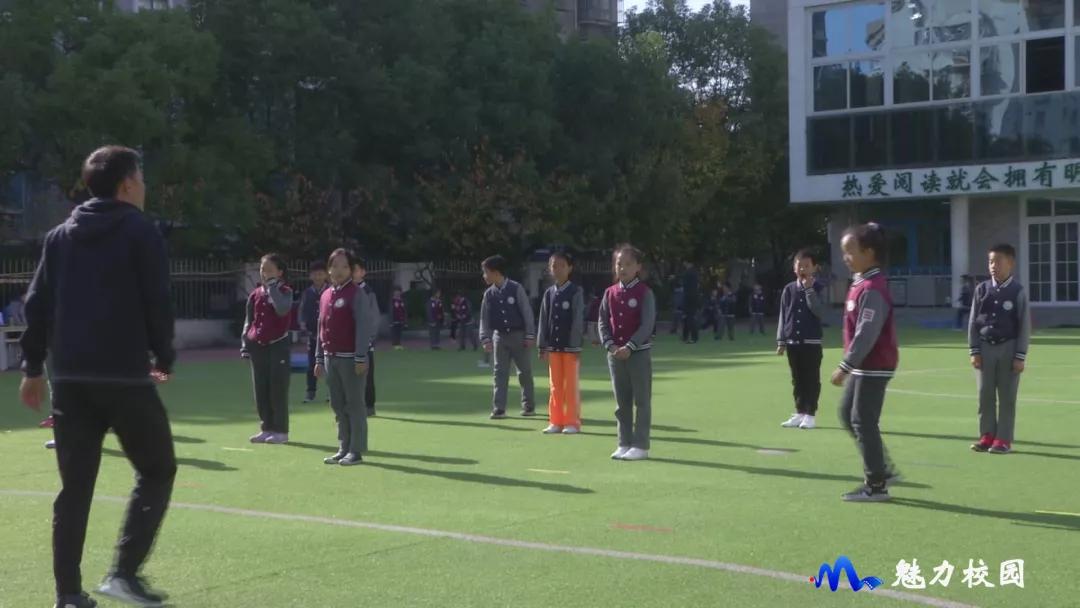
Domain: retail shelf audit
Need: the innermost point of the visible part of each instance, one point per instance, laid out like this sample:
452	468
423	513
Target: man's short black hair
495	263
106	168
1004	249
317	267
359	262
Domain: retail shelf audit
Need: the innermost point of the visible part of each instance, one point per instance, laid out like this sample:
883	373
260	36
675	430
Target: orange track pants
564	405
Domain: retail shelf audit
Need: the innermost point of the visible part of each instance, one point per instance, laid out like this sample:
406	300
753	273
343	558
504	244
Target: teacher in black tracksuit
99	309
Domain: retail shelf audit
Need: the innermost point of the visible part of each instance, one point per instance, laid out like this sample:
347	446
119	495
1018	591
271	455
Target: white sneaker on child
794	421
571	430
807	422
619	453
552	429
636	454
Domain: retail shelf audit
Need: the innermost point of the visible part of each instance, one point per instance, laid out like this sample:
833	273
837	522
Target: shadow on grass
774	472
198	463
1047	520
972	439
481	478
328	449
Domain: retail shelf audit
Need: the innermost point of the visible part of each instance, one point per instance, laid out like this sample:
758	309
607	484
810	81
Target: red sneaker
985	443
47	423
1001	447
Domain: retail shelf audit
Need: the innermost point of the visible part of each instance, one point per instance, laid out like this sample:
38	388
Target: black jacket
99	303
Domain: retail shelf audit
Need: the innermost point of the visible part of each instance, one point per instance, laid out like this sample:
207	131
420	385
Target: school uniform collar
869	274
562	288
343	285
362	284
319	289
629	285
997	285
500	287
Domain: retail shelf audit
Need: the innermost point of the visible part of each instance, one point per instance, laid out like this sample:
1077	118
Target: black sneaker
131	590
310	398
371	413
335	459
498	415
865	493
528	413
75	601
351	459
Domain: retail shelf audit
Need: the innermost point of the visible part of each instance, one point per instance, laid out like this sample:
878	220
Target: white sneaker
636	454
50	444
553	429
807	422
794	421
620	453
571	430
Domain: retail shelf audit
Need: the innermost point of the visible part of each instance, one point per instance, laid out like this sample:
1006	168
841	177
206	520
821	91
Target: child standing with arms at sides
399	316
309	321
265	343
757	310
360	278
999	333
463	313
710	314
871	356
435	318
726	313
507	328
562	329
345	332
627	315
798	334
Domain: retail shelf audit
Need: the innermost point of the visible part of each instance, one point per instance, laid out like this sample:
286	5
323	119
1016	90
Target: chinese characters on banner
961	180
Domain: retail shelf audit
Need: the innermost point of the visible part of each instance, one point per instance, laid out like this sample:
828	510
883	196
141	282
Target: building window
1000	69
830	87
918	22
867	84
1039	262
1008	17
848	30
830	143
1065	279
1045	65
1053	249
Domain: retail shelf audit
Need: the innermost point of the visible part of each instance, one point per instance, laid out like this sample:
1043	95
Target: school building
955	124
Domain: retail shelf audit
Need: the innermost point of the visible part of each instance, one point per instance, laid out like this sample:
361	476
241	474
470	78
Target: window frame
1053	221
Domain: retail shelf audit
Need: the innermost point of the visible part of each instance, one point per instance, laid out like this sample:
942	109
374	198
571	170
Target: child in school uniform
265	342
870	358
345	332
799	336
627	315
562	328
309	321
999	333
360	278
463	313
757	310
592	319
726	313
436	316
710	313
508	330
399	318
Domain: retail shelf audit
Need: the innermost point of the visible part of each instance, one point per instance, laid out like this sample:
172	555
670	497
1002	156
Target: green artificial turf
708	493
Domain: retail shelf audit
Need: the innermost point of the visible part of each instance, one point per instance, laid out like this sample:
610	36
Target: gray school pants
347	401
998	385
510	348
632	381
